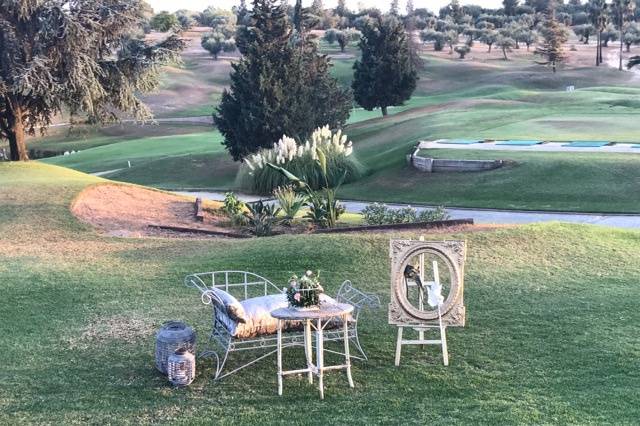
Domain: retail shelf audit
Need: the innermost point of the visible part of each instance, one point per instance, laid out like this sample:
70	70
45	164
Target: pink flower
296	297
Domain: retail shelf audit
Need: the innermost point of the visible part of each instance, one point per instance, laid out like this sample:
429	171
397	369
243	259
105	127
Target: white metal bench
246	285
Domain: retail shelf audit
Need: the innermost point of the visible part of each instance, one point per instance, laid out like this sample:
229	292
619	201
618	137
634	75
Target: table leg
320	357
347	357
279	351
308	349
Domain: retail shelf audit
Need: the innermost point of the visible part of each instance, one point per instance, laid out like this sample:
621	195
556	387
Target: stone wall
431	165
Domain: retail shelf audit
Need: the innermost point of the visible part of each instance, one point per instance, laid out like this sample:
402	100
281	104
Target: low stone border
392	226
187	230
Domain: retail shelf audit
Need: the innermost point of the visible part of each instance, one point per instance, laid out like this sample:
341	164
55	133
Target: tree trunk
384	111
504	52
490	48
621	44
16	136
598	48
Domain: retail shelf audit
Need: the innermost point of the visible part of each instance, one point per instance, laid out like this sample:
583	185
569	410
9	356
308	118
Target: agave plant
262	218
289	200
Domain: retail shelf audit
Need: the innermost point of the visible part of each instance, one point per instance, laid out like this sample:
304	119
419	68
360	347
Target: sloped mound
126	210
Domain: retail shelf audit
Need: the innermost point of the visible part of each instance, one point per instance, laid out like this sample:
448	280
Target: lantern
181	367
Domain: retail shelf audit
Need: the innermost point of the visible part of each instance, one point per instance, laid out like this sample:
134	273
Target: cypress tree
385	75
554	36
280	86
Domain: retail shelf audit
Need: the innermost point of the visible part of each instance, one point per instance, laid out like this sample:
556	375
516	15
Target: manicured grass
551	335
532	181
454	99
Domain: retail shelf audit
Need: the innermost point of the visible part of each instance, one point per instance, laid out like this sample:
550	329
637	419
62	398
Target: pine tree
280	86
384	75
76	56
510	7
554	36
394	8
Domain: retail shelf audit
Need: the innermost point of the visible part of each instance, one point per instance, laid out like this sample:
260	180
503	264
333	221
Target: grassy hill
551	334
481	97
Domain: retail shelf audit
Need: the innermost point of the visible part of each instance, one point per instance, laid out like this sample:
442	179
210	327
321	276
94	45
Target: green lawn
552	332
530	181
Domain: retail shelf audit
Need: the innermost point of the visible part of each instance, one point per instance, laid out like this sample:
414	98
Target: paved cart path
486	216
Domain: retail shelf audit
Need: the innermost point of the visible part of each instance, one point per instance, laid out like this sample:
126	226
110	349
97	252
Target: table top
325	310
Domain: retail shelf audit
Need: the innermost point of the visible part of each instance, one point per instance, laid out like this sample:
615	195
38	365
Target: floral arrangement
287	149
305	291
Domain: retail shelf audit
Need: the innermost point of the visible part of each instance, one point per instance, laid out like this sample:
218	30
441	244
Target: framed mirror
416	266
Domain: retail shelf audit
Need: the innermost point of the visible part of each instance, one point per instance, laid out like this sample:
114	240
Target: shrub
462	50
261	218
289	200
433	215
234	208
324	209
300	160
379	214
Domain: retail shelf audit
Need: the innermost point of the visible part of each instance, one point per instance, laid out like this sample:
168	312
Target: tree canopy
385	74
280	86
76	55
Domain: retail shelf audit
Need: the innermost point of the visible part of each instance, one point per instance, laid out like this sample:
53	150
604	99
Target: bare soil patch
127	211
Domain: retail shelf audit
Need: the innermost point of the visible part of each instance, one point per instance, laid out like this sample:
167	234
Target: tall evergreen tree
73	55
394	8
510	7
280	86
554	36
385	75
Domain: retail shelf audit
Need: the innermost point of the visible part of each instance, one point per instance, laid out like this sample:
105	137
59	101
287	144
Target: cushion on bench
232	306
258	319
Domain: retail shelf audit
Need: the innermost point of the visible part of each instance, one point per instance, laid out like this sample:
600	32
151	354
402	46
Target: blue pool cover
460	141
586	144
518	143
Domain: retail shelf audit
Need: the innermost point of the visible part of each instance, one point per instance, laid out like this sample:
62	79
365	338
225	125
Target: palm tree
624	10
598	10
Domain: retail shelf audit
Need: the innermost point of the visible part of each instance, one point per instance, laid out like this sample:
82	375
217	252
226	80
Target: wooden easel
421	329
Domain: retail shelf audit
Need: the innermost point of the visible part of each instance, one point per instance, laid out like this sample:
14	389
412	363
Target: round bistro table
318	319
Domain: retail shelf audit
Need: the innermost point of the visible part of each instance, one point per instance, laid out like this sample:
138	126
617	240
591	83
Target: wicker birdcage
181	367
172	336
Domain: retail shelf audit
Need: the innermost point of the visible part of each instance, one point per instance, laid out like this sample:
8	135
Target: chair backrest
347	293
241	284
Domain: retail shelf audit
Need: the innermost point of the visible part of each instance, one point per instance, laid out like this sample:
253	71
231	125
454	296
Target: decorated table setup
306	306
255	316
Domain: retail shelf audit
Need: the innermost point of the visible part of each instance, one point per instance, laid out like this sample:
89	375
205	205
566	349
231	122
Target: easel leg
399	346
443	340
